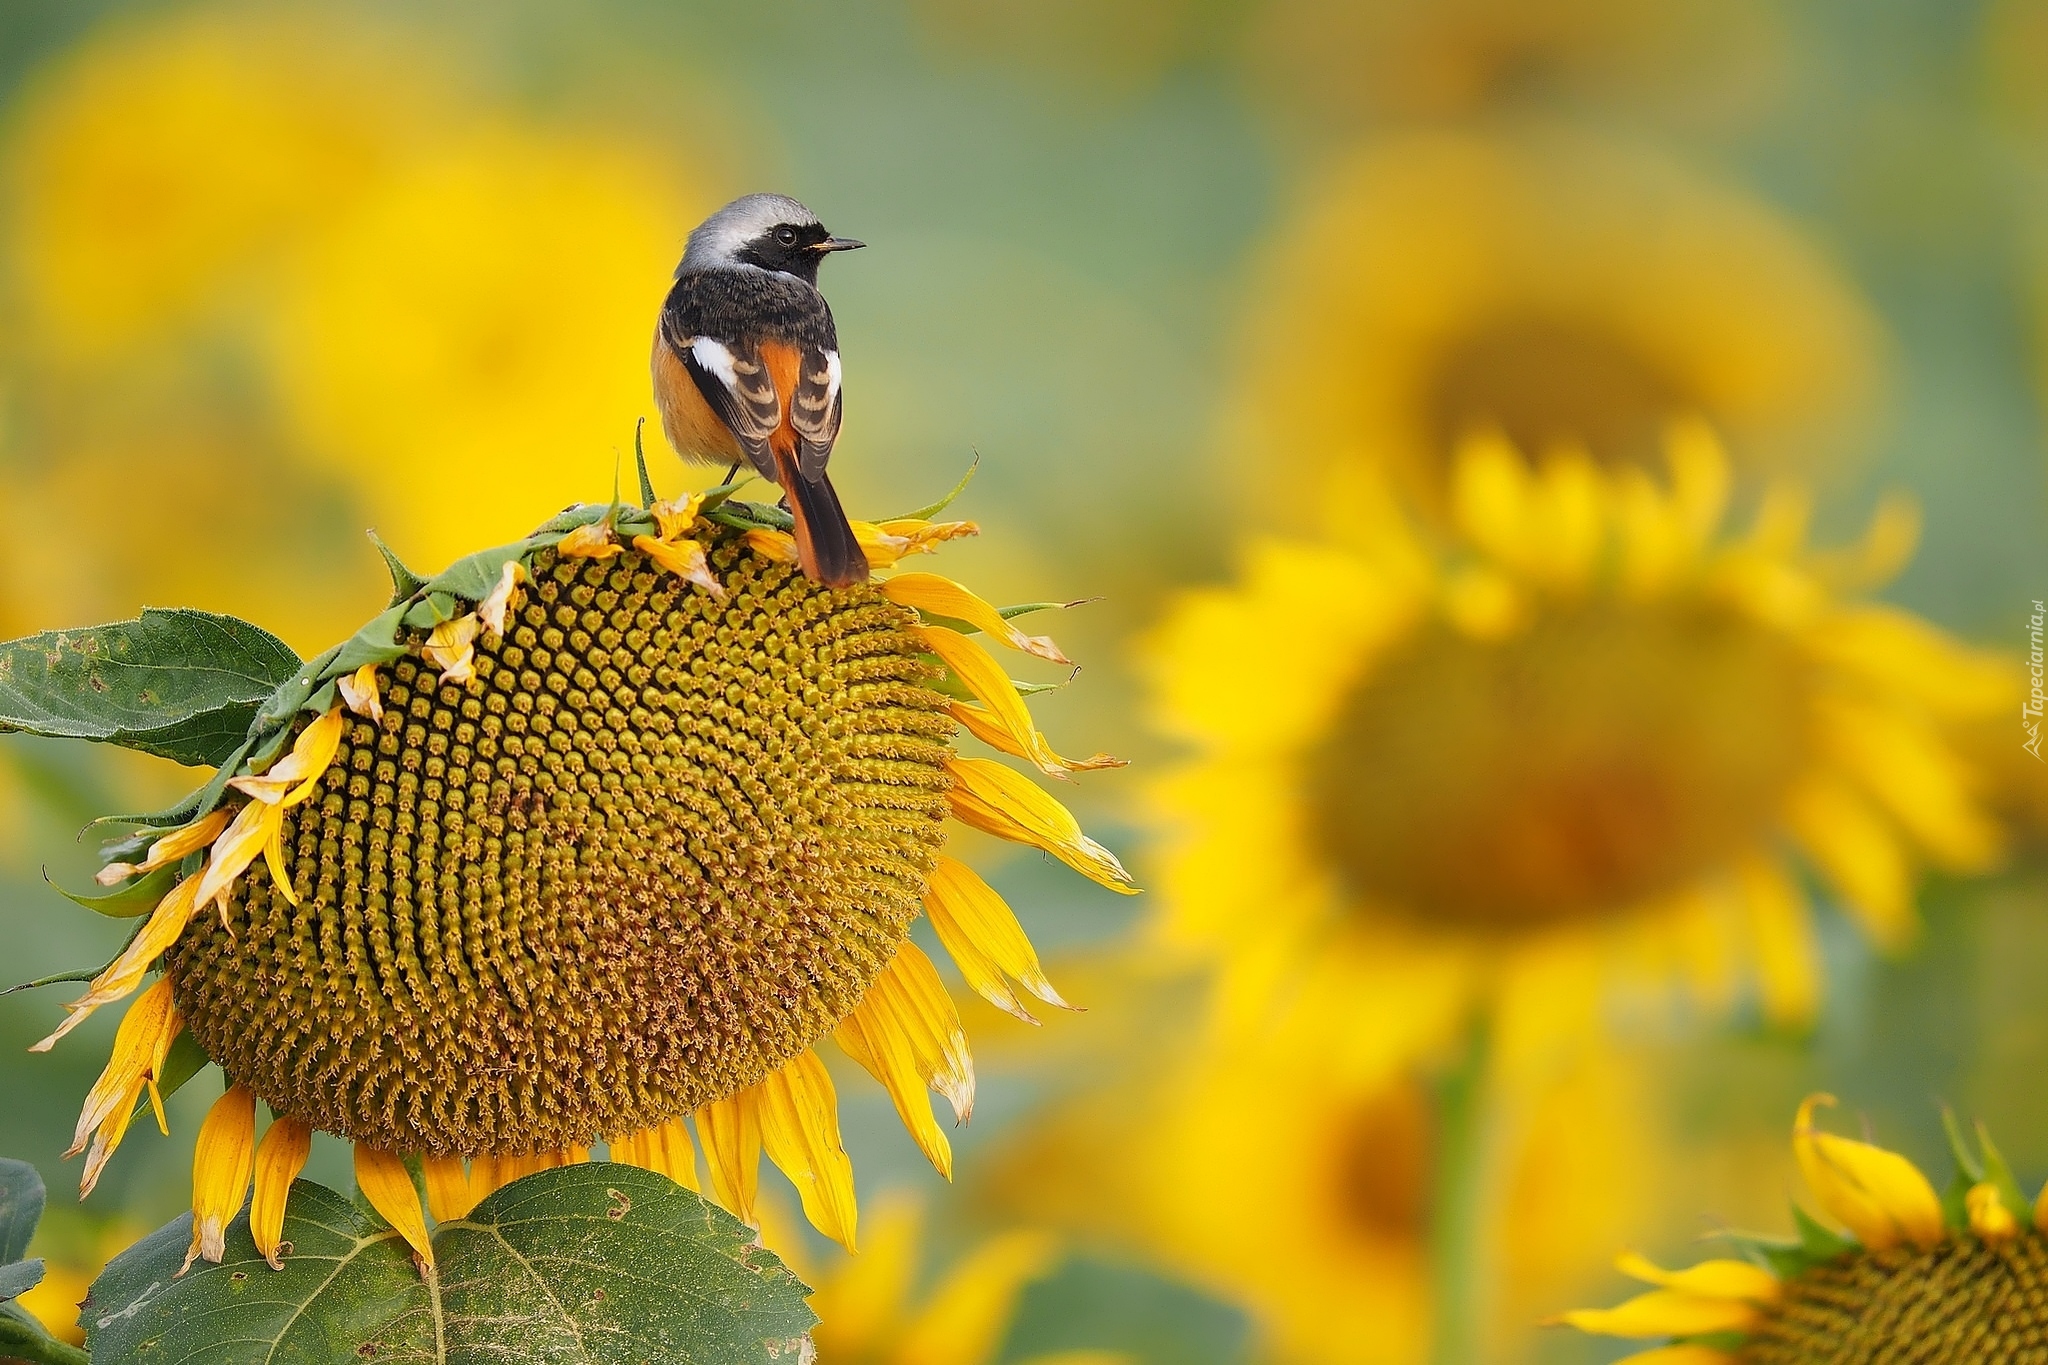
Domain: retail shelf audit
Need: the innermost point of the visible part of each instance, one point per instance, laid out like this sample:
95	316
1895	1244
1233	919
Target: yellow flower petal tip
222	1161
387	1185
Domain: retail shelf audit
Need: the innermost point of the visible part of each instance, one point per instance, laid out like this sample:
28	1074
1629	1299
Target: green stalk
1462	1198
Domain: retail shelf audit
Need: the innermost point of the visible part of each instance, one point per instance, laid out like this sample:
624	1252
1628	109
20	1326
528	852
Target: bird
746	366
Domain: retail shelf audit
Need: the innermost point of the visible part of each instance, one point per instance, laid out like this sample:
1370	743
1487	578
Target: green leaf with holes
180	684
596	1264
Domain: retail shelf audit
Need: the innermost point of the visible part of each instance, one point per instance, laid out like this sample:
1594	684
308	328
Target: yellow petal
1569	521
676	516
1484	603
488	1175
294	777
1886	547
963	1321
384	1181
971	664
730	1132
983	725
928	592
683	558
1699	480
185	839
665	1148
779	546
1904	762
590	541
451	647
869	1037
279	1159
925	537
1787	956
221	1163
880	547
125	972
983	937
1901	654
492	610
800	1130
1685	1353
359	693
1717	1279
1878	1195
236	848
1858	854
1491	497
1990	1219
140	1043
1664	1313
449	1195
999	801
911	1001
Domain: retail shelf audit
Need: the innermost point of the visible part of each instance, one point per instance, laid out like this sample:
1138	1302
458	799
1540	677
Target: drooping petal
779	546
925	537
867	1036
449	1195
279	1159
252	828
1878	1195
971	664
593	540
140	1043
683	558
929	592
984	938
800	1130
384	1181
730	1132
125	972
999	801
294	777
221	1165
492	610
665	1148
983	725
675	516
451	647
169	849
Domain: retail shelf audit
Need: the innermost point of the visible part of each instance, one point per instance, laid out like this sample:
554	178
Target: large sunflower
1564	291
592	834
1920	1277
1593	730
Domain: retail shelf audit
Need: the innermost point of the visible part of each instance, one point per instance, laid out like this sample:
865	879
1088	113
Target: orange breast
692	427
782	361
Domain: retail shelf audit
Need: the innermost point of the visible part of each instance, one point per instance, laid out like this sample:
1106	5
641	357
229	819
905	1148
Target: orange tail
825	545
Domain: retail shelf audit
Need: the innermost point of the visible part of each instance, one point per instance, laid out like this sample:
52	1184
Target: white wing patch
714	356
832	373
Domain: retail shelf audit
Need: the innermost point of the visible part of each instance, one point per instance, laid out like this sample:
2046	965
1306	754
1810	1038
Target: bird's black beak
838	244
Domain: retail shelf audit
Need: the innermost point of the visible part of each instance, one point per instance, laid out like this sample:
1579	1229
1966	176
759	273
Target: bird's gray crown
719	239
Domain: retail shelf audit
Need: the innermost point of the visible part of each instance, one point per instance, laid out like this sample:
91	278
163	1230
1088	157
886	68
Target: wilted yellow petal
1990	1219
928	592
294	777
1664	1313
140	1043
675	516
730	1132
880	547
983	725
451	647
683	558
384	1181
964	1320
1878	1195
279	1159
984	938
491	611
185	839
359	692
800	1130
590	541
125	972
1717	1279
996	800
925	537
221	1163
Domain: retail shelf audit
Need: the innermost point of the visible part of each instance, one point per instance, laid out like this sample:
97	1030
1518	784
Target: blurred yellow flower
870	1313
1338	61
1919	1277
1556	289
1594	737
472	341
1306	1196
69	1268
157	169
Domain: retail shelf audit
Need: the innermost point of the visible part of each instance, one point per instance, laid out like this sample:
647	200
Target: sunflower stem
1460	1253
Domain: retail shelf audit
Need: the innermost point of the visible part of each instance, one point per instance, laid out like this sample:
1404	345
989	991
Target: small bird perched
746	365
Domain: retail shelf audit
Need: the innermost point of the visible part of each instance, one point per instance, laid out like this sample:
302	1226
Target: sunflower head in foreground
1954	1277
589	835
1591	727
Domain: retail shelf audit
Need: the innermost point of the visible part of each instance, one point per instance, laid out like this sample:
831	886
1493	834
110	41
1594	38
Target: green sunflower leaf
180	684
21	1208
595	1264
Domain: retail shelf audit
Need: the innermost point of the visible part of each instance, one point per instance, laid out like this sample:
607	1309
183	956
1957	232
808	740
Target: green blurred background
271	275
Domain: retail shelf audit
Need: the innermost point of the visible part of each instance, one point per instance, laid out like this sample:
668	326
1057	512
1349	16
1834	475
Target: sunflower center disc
1964	1303
1608	755
661	845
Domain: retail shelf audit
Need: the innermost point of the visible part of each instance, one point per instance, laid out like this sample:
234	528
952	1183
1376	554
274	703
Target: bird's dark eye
786	236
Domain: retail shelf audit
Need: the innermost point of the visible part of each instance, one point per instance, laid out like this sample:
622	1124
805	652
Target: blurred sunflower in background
1557	289
1594	732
